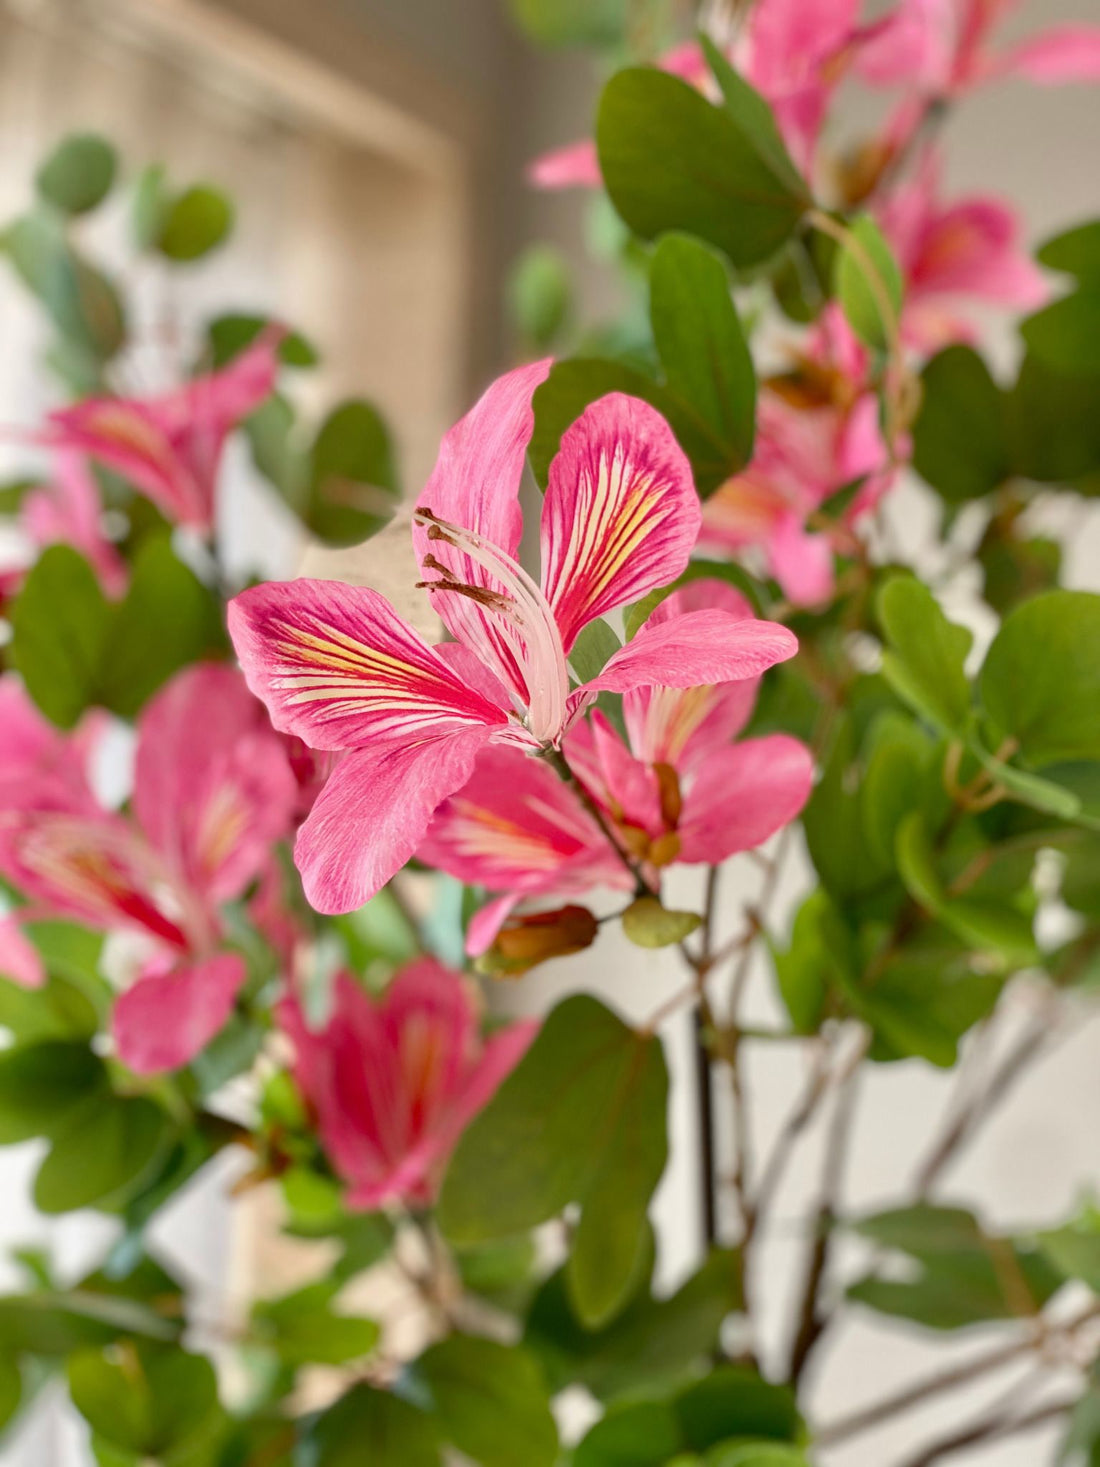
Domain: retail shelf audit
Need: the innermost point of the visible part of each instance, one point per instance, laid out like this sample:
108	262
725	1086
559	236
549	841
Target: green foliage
673	161
56	1324
78	174
490	1401
927	653
79	299
231	334
538	292
353	488
43	1084
1064	334
107	1148
194	223
302	1328
868	283
374	1426
148	1401
960	439
646	923
571	22
534	1149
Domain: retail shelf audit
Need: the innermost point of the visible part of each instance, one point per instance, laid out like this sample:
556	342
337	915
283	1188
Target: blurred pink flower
394	1081
170	447
679	791
212	791
339	669
67	510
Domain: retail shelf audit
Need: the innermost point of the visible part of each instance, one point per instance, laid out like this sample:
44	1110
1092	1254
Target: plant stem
558	762
992	1428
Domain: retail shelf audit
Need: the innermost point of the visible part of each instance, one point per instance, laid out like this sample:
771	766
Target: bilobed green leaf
150	1405
42	1085
646	923
78	174
1075	252
868	283
1015	570
368	1425
168	620
571	22
108	1146
354	487
644	1435
60	623
960	439
926	655
699	339
535	1149
1053	425
1066	334
490	1401
1040	682
231	334
194	223
673	161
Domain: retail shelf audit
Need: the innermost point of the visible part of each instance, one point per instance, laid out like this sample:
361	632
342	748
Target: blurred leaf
755	1454
1074	1248
1015	570
148	1402
11	1389
229	335
538	292
106	1148
60	623
1053	425
571	22
1075	252
368	1425
80	300
646	923
867	281
42	1085
924	663
60	1010
534	1149
194	223
1066	334
150	206
820	952
303	1328
849	866
53	1323
673	161
354	488
1040	681
490	1401
78	174
960	443
701	345
501	1272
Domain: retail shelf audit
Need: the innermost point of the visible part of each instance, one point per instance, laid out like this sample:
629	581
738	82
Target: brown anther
664	850
668	788
636	840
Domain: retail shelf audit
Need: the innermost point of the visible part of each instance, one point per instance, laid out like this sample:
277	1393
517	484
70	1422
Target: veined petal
168	1016
742	795
213	786
620	515
475	485
698	647
337	666
127	435
372	814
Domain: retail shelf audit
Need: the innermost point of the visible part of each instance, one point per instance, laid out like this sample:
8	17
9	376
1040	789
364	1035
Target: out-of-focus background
375	149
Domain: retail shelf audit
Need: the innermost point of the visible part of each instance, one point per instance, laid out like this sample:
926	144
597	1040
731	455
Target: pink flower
943	47
817	433
337	667
395	1081
170	447
212	791
678	791
67	510
950	254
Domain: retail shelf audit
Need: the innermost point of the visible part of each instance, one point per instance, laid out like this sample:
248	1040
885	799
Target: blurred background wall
375	149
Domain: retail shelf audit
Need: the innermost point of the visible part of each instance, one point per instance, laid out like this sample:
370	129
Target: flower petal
167	1017
337	666
20	960
742	795
802	563
574	166
475	484
372	814
620	515
1064	53
698	647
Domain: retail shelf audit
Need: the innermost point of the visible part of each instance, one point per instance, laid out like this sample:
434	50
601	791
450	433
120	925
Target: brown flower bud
528	940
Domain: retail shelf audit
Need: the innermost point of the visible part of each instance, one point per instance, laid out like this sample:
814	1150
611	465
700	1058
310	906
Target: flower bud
527	940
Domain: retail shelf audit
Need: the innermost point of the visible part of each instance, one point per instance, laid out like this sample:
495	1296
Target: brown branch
992	1428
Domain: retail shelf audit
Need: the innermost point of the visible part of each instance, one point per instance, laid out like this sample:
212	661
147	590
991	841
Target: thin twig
993	1428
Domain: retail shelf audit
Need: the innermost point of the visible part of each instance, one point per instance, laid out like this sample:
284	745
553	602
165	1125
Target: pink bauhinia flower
394	1081
952	254
337	666
67	510
679	790
817	433
212	791
944	48
170	447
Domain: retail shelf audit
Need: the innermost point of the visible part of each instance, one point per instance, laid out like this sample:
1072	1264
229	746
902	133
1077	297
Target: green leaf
79	299
644	1435
538	292
635	617
490	1401
646	923
354	487
1053	425
1031	789
1075	252
535	1149
150	1404
593	649
819	959
108	1147
571	22
868	283
11	1389
41	1085
303	1328
1040	682
78	174
194	223
367	1425
52	1323
1074	1248
755	1454
848	865
59	1010
700	342
232	334
150	206
1066	334
927	653
960	442
168	620
1015	570
60	623
672	161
